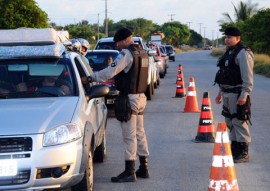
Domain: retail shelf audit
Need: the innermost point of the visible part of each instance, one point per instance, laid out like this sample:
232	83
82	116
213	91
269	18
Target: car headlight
62	134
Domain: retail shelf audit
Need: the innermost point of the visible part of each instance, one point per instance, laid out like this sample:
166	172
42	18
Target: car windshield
106	46
25	78
100	60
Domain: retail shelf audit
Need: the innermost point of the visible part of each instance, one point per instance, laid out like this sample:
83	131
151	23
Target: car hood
31	116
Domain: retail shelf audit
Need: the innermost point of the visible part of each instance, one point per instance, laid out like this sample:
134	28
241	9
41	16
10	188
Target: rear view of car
170	52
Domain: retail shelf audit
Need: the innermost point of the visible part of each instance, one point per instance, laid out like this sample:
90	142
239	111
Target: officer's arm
123	60
246	63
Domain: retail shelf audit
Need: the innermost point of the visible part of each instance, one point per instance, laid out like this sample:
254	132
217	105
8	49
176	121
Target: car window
169	49
106	46
30	77
99	60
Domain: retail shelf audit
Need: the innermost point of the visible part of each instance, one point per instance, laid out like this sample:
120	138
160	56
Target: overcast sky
201	15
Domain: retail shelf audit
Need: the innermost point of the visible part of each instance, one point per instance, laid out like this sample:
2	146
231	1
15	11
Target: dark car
170	52
98	60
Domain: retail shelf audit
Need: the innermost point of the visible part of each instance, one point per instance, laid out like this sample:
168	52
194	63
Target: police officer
134	137
235	78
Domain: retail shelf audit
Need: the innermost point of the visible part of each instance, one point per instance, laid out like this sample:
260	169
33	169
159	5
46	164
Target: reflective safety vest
135	80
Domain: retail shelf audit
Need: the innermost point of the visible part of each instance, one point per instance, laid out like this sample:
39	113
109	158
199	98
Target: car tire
100	152
87	183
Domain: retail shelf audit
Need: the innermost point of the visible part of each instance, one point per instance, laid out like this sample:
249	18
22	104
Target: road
177	163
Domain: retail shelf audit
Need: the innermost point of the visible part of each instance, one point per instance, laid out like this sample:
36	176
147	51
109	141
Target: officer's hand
218	99
86	80
241	101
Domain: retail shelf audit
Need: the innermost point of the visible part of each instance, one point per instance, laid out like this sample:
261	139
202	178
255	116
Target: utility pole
106	19
189	25
98	27
171	15
200	28
204	35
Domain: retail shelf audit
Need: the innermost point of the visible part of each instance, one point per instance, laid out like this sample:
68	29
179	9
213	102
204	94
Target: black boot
243	153
143	171
128	175
235	149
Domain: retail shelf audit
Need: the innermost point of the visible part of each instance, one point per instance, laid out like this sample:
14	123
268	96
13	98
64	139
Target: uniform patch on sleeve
113	64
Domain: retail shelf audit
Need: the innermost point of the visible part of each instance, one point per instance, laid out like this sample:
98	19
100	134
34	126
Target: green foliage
195	38
175	33
21	13
82	30
256	31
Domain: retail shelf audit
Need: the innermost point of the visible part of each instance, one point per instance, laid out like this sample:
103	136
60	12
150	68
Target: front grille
15	144
21	178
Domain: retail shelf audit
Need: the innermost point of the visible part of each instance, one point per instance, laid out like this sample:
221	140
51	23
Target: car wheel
100	152
87	183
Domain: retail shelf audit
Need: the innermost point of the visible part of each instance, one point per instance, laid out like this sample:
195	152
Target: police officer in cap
235	79
134	137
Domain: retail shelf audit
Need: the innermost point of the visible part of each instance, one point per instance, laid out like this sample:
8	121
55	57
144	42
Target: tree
243	12
81	30
195	38
175	33
256	32
21	13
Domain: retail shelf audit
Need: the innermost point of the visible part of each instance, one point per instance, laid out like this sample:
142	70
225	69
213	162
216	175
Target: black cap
232	31
121	34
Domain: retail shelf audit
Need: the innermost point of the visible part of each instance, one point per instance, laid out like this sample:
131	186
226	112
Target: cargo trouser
239	130
135	142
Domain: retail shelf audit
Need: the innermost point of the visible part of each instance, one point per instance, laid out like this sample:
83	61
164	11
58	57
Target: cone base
204	138
180	95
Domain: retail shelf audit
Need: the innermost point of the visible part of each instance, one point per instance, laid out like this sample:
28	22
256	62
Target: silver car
50	134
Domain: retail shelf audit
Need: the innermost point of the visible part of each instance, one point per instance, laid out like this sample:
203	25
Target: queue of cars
53	125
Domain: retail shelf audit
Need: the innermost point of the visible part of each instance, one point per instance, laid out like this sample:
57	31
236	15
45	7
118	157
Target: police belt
232	90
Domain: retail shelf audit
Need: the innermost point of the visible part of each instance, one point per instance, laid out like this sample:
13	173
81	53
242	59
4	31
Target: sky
200	15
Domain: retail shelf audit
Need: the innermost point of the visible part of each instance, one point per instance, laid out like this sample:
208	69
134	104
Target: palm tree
243	12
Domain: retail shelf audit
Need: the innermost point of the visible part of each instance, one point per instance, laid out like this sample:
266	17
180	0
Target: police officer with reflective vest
235	78
130	73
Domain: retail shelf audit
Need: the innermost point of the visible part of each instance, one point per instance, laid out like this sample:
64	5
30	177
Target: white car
49	135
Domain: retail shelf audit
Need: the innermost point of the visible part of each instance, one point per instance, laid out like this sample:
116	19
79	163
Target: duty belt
232	90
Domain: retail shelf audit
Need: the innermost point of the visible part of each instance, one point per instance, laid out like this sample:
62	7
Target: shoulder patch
113	64
123	53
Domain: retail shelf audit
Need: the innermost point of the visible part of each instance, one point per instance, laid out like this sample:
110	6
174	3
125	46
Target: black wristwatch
89	79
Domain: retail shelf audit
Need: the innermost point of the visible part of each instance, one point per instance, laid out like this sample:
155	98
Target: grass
261	62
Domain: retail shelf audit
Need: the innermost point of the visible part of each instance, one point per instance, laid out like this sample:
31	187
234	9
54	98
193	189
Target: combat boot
235	149
143	171
243	153
129	173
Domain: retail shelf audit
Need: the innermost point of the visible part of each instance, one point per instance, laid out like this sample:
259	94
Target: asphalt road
177	163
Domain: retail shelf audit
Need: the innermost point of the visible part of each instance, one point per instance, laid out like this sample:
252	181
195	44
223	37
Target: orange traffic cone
180	88
222	175
191	100
206	129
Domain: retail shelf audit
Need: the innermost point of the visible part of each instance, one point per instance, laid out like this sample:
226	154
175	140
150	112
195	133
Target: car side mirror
99	90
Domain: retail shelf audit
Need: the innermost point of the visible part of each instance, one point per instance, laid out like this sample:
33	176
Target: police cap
122	34
232	31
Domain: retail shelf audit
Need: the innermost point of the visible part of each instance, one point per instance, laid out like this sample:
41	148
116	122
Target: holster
243	111
122	108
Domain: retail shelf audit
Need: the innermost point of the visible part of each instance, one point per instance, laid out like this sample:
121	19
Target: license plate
8	167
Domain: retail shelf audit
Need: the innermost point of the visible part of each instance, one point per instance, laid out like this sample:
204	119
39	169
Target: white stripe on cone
192	84
217	185
191	93
222	161
222	137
